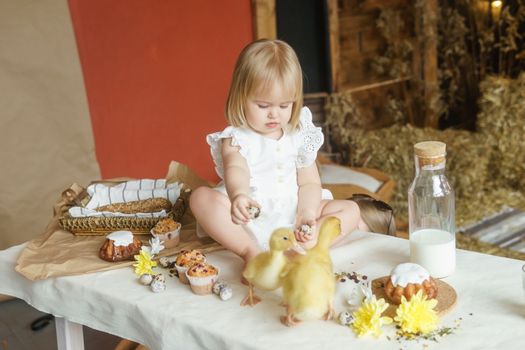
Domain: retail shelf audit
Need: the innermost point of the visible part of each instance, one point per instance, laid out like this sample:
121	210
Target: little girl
266	159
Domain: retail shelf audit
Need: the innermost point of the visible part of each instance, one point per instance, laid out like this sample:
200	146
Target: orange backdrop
157	74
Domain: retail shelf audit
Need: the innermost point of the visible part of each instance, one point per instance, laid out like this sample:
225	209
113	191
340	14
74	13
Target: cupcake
185	260
202	276
168	230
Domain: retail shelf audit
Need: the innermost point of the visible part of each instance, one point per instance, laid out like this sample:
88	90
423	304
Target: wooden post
264	20
429	62
333	27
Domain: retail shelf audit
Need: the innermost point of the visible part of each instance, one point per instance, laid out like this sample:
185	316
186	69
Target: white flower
366	289
155	247
362	292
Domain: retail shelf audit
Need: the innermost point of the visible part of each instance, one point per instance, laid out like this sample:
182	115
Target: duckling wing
255	265
265	272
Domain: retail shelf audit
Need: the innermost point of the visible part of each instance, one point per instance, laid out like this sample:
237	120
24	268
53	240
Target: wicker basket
98	226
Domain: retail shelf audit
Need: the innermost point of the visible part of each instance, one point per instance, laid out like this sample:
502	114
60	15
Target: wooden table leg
69	335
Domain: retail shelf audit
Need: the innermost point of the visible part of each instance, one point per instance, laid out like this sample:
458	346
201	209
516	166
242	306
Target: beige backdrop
46	140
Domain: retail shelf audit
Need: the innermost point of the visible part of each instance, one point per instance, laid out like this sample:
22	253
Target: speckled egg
146	279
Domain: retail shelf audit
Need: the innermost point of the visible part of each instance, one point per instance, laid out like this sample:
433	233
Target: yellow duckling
264	270
308	280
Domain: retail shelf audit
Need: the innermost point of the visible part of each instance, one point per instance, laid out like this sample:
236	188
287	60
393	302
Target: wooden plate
446	296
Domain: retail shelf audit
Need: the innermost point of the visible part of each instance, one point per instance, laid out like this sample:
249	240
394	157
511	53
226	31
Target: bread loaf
150	205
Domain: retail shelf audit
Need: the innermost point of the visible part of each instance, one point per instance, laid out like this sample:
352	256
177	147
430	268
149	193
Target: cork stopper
430	152
430	149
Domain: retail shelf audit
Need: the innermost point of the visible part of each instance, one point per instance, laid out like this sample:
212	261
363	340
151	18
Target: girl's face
268	111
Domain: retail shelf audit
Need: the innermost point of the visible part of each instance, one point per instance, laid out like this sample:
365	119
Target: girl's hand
239	208
308	219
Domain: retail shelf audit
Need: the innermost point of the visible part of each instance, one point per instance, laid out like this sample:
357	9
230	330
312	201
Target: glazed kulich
406	280
119	246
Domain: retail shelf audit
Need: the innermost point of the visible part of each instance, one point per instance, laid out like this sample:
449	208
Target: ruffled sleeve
238	138
309	139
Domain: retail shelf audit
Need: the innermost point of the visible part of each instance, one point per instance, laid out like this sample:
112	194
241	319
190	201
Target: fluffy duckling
308	280
264	270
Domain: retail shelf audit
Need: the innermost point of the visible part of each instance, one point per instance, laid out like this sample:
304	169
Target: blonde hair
376	214
260	64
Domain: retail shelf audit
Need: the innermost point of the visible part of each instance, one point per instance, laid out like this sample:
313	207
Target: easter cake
406	280
120	245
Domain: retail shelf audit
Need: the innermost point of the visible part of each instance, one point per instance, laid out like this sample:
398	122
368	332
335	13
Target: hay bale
391	150
502	123
487	201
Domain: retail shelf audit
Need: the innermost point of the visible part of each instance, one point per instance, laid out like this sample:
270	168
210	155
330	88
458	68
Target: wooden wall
406	50
360	40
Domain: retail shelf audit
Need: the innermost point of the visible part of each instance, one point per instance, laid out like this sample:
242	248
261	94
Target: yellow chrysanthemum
144	263
417	315
367	319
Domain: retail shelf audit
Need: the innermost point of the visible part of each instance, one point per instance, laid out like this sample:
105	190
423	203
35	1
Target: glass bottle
431	212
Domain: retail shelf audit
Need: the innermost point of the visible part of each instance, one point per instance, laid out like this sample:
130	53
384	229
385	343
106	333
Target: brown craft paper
46	139
60	253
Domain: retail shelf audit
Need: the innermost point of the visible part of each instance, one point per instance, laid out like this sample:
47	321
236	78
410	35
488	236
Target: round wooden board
446	296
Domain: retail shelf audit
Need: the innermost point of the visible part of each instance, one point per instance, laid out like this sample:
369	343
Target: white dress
273	171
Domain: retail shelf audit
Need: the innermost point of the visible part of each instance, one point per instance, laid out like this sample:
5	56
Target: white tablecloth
491	304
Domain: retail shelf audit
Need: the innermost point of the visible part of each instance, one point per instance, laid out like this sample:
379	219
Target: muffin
185	260
120	245
408	279
202	276
168	230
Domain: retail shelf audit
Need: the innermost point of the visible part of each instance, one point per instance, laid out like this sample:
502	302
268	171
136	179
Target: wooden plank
355	69
362	6
353	22
373	84
264	19
367	39
316	95
369	5
349	44
316	102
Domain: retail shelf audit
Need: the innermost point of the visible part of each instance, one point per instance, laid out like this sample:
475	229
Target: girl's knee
353	208
199	196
